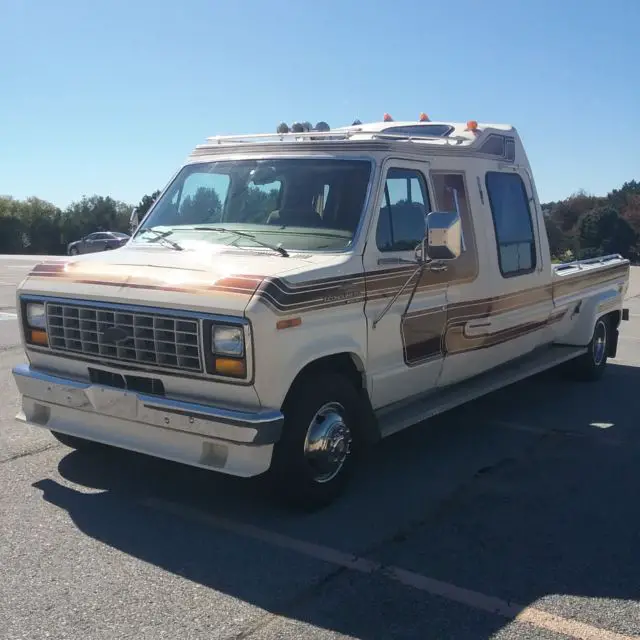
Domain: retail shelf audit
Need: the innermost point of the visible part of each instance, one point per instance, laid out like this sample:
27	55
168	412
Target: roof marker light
472	125
424	117
387	118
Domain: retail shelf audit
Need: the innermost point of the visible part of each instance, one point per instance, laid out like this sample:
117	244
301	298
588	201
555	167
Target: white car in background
98	241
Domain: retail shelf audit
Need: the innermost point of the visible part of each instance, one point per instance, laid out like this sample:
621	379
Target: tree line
580	226
35	226
585	226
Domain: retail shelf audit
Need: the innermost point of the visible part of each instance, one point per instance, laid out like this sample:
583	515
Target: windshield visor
308	204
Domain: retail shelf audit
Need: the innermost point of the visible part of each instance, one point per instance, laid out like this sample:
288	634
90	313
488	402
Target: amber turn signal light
230	367
37	336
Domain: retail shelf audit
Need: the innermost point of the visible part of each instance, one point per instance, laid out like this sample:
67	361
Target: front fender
282	354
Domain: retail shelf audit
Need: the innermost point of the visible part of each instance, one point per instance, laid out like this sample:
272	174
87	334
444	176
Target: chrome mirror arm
398	293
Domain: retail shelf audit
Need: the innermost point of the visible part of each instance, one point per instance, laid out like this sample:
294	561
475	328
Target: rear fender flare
586	312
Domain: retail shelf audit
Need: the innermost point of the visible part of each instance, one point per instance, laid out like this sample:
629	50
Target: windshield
300	204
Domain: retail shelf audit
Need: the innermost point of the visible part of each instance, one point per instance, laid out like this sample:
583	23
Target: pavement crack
380	568
31	452
9	349
451	501
283	612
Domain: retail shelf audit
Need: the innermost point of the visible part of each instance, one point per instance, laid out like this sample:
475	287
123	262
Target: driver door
89	243
405	355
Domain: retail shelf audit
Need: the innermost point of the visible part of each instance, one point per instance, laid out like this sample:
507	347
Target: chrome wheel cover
328	442
599	342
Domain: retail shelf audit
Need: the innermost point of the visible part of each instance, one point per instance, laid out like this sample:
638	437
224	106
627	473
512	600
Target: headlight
228	357
227	341
35	315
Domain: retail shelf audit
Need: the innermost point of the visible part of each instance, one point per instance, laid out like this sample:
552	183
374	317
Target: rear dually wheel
591	365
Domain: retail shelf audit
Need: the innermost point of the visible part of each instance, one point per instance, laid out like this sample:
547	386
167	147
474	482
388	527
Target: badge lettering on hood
114	335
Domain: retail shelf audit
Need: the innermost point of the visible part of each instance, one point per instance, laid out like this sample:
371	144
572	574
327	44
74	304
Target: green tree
603	231
95	213
145	204
558	241
203	207
12	228
31	225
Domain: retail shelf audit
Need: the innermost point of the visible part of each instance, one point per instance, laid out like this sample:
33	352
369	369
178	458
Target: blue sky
109	96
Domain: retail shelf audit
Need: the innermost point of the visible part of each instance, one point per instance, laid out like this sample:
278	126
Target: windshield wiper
162	236
281	250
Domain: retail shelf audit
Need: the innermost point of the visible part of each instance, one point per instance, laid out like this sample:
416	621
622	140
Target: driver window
258	201
405	204
202	198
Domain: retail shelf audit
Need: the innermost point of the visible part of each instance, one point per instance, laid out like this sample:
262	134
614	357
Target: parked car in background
98	241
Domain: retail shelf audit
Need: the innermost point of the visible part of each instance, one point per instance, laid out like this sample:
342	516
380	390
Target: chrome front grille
125	335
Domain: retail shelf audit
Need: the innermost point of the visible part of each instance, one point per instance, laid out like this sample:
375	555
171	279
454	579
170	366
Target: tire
73	252
323	405
74	442
590	366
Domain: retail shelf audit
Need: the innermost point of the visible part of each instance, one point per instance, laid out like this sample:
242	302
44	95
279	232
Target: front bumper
235	442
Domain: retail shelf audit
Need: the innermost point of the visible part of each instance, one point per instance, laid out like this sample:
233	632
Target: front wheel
591	365
314	459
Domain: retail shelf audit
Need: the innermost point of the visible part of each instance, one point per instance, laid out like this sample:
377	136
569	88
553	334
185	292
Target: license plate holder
113	402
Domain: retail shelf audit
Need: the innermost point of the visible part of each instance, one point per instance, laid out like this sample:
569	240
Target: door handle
436	268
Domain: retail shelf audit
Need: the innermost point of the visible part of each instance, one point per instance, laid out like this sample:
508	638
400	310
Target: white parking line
473	599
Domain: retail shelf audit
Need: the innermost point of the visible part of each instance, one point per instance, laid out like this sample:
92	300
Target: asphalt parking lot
513	517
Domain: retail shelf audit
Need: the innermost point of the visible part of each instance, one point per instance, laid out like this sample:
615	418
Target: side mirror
444	235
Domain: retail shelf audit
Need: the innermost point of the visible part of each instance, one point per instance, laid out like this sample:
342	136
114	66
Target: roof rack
336	134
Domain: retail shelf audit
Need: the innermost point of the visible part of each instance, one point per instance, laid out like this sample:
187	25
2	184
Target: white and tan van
291	298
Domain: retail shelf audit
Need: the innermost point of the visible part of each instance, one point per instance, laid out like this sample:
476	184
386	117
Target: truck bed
574	279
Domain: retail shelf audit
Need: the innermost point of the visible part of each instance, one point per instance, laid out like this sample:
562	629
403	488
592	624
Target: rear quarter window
512	223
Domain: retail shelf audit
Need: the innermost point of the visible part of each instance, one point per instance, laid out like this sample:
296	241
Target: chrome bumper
48	391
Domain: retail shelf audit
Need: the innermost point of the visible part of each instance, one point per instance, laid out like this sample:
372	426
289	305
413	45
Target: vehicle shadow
527	495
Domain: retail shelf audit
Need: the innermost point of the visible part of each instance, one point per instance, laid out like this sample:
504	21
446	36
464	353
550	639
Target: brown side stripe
283	296
437	338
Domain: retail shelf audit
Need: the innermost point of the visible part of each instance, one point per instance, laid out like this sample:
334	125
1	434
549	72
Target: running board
399	416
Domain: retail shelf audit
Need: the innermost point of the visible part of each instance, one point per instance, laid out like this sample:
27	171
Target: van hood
212	279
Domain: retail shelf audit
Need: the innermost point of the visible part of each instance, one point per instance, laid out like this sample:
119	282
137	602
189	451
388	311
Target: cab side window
512	223
451	195
402	221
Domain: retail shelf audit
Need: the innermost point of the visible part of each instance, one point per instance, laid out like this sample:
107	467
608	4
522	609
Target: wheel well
352	368
342	363
614	319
